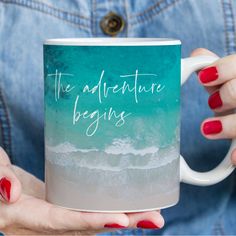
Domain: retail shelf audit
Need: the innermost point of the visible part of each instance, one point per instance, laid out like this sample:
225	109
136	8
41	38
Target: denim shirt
25	24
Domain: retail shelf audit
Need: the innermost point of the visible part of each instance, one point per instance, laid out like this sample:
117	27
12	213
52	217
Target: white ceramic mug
112	112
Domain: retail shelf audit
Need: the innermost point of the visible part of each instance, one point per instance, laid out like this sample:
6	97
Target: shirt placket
109	18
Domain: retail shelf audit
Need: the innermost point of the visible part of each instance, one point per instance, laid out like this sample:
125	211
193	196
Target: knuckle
230	126
46	224
57	220
4	160
232	89
232	63
4	222
197	51
233	58
234	127
233	134
52	223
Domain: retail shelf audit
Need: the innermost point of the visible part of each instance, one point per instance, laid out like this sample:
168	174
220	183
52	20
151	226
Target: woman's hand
23	209
220	81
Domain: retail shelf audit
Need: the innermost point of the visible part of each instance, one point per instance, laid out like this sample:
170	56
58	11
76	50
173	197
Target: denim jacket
25	24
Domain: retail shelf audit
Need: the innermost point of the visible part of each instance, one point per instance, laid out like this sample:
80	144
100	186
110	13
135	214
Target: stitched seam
216	229
225	28
124	9
148	9
233	27
79	26
127	18
38	5
93	18
49	10
154	11
221	228
5	126
230	31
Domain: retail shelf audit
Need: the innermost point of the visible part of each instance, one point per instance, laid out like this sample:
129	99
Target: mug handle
225	168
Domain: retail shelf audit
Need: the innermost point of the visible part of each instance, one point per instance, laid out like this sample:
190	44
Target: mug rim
112	41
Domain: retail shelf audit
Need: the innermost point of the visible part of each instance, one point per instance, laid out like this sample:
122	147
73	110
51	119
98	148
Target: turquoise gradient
153	121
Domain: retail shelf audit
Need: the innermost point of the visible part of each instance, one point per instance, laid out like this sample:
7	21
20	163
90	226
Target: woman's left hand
220	81
24	211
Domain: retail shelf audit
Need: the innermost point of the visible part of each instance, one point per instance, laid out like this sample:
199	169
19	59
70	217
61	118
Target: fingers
224	99
97	220
10	187
4	159
220	72
220	81
202	51
146	220
233	157
220	127
39	215
36	214
30	184
205	52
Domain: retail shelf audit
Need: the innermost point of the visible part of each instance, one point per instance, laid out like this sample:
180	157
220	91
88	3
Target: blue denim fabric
24	24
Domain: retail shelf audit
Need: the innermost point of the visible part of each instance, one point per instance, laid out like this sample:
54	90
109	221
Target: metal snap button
112	24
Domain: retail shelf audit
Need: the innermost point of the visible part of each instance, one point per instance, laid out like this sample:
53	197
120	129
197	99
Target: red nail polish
146	224
212	127
113	226
5	189
209	74
215	101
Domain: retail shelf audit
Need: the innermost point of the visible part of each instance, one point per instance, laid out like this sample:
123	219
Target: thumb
201	52
10	186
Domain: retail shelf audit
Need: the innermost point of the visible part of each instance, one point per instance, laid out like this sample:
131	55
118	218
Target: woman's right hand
23	209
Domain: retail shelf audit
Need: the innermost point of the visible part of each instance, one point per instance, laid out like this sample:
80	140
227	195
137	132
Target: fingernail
147	224
215	101
212	127
113	226
5	189
209	74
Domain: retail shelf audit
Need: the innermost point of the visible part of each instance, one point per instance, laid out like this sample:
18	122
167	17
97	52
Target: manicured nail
209	74
147	224
215	101
212	127
5	189
113	226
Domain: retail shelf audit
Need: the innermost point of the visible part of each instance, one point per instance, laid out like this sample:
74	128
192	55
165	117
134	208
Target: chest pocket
61	10
195	23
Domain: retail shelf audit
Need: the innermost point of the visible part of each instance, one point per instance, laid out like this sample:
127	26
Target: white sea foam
67	147
118	147
124	146
117	156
